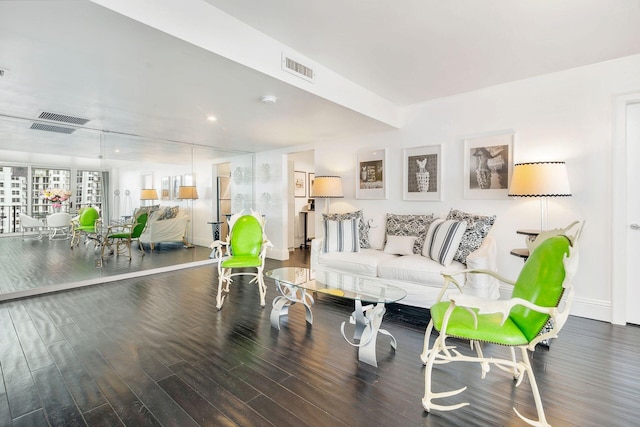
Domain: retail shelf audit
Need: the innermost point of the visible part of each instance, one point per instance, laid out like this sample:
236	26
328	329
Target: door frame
620	221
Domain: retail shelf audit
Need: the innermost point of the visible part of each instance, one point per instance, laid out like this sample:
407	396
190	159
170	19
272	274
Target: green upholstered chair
87	224
245	248
542	292
123	234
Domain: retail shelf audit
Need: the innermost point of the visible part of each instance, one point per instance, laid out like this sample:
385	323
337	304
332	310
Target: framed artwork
300	183
165	188
310	178
177	183
422	178
488	164
371	173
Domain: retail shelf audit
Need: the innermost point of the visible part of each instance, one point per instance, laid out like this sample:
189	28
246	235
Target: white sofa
165	230
418	275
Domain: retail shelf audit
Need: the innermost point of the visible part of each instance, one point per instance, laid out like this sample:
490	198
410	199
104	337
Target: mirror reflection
47	180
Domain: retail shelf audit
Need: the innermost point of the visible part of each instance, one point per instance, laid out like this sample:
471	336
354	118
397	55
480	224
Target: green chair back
88	217
141	222
246	236
540	282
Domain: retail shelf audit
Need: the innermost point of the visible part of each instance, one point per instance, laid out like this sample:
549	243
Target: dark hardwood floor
155	351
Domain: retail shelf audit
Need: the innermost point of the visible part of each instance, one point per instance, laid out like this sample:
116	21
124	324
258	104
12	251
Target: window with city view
24	189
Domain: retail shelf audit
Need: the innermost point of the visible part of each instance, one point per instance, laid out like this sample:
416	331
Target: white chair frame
28	223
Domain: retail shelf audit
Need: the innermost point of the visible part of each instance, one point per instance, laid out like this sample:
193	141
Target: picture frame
165	188
371	181
488	165
422	177
310	178
300	183
177	183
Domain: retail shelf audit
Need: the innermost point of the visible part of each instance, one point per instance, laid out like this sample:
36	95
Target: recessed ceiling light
268	99
212	118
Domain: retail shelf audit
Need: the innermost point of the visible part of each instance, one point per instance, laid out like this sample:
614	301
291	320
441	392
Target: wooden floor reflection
33	264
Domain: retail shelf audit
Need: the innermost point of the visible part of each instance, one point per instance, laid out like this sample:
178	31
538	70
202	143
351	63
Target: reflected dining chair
543	291
245	248
59	224
28	223
123	234
87	224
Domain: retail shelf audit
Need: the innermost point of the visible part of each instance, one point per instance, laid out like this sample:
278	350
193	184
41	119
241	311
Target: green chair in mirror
87	224
543	292
123	234
245	248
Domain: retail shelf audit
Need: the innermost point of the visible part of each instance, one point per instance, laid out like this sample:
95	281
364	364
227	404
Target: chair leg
429	395
262	287
542	420
427	337
221	279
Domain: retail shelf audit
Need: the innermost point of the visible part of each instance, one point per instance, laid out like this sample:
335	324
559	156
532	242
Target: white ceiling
78	58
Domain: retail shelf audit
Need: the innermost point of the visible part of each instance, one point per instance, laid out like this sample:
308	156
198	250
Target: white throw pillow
341	236
400	245
443	240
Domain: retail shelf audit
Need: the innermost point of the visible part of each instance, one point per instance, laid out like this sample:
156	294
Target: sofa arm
316	249
483	258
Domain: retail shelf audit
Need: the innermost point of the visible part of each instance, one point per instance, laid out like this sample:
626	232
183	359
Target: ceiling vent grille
63	118
52	128
297	69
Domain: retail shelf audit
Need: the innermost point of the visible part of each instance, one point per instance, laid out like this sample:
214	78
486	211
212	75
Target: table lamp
540	179
327	187
148	194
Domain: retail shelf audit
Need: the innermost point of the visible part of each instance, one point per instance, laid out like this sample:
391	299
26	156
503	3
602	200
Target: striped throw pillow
443	239
341	236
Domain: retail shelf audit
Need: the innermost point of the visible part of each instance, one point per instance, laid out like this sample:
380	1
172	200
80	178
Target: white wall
303	162
563	116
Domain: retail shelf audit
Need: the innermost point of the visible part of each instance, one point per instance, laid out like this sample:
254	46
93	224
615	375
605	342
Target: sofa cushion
400	245
478	227
363	226
167	213
410	225
414	269
363	263
443	240
341	236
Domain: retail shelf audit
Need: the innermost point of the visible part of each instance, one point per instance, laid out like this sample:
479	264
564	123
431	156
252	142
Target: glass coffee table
296	284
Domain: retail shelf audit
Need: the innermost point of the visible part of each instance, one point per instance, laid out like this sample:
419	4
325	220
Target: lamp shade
148	194
189	192
328	187
540	179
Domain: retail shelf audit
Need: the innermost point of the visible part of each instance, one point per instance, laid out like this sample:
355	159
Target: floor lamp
540	179
189	193
148	194
327	187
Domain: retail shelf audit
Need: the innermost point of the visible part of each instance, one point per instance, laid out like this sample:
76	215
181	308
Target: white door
633	214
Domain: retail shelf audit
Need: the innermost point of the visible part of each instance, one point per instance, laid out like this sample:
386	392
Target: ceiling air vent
52	128
297	69
63	118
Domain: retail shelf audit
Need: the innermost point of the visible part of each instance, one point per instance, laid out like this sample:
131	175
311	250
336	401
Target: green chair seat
119	236
461	325
238	261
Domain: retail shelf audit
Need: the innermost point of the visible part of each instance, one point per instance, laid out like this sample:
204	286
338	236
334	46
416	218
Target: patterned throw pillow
410	225
478	227
363	226
443	240
341	236
168	213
